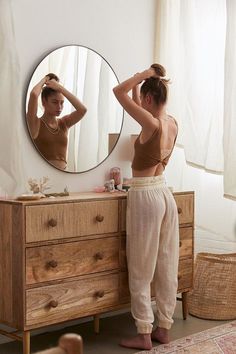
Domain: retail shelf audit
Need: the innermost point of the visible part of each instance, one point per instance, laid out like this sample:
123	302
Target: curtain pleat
230	103
190	44
196	42
12	181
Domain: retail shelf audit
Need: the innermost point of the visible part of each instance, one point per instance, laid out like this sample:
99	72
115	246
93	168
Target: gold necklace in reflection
50	129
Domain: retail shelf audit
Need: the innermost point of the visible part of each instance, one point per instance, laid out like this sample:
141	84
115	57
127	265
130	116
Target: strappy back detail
165	160
149	153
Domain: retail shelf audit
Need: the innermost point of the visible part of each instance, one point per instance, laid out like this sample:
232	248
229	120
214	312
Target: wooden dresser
64	258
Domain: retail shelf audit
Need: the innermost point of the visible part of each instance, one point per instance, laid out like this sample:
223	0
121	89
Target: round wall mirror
73	117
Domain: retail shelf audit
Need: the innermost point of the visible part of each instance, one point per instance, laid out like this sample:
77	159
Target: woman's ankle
161	335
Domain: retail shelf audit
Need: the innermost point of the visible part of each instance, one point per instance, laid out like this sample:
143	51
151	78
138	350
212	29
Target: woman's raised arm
31	115
133	105
80	109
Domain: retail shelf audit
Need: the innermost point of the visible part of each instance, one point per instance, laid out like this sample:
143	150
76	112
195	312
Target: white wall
121	31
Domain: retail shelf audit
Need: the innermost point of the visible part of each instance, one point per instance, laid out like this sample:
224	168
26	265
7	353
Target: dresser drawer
185	241
48	222
61	261
185	274
71	300
96	217
185	205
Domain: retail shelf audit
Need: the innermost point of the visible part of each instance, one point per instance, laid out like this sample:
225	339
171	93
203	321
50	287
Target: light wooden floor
112	329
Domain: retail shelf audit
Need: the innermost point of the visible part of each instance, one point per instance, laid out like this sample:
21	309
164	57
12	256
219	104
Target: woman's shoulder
173	119
62	123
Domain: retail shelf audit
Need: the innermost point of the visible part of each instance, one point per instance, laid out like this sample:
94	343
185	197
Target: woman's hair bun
159	69
53	76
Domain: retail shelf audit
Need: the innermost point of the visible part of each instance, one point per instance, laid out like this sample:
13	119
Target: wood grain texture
57	303
185	205
38	227
59	221
72	198
18	266
185	242
6	313
86	214
11	269
65	258
60	261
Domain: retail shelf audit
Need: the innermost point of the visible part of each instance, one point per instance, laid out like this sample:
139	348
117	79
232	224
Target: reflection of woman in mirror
50	133
152	217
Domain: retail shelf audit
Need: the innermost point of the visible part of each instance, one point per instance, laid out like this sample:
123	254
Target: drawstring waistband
143	182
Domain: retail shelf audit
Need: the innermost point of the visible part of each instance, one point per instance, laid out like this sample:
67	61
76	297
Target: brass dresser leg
26	342
96	323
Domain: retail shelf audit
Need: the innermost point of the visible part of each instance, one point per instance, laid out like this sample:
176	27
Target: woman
152	218
50	134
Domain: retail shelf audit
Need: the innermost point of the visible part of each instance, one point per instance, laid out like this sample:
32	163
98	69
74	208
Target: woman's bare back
168	130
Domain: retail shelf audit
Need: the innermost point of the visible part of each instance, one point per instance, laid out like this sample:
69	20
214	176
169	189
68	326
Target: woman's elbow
83	111
116	91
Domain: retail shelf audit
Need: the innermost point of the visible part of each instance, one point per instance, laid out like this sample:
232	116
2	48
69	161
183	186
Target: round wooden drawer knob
179	210
53	303
98	256
52	264
180	243
99	218
52	222
179	276
99	293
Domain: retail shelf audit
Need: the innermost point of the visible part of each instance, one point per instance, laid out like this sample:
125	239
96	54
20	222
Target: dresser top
76	197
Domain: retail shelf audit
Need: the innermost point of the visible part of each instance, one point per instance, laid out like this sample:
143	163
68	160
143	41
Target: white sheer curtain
230	103
86	74
103	114
11	171
190	42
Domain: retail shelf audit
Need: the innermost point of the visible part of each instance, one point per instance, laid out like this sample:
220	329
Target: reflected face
53	104
89	77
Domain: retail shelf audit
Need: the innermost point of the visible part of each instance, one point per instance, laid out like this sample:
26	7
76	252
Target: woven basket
214	288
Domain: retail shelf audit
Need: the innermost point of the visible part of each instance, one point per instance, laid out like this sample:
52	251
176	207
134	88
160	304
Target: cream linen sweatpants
152	251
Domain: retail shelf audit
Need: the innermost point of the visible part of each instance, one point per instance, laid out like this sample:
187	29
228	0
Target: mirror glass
89	77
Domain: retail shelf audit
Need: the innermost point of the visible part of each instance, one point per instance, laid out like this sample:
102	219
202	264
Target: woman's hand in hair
53	84
152	72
